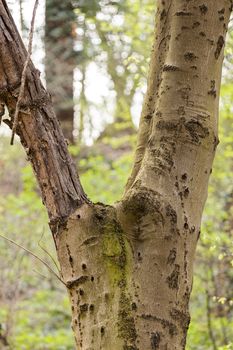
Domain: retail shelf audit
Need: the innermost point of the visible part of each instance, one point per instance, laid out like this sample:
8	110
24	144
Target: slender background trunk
60	61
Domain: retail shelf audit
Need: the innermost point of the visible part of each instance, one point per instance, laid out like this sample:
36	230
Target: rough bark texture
128	267
38	127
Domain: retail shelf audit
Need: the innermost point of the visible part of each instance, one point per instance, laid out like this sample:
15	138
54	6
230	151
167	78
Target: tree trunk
128	267
60	61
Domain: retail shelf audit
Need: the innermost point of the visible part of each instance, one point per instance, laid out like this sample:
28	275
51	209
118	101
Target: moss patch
117	256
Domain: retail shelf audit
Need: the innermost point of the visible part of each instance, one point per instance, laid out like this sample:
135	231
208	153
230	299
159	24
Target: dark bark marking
84	308
181	110
91	307
163	154
155	340
163	14
181	196
220	44
196	24
102	330
90	240
183	13
76	281
186	192
148	117
170	68
143	201
81	292
70	257
126	327
185	27
169	126
216	142
186	226
181	317
84	266
211	41
173	279
171	213
196	130
192	230
171	257
222	11
190	56
202	34
203	8
158	114
212	90
165	323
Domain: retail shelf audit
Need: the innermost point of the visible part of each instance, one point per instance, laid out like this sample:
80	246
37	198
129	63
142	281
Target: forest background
93	58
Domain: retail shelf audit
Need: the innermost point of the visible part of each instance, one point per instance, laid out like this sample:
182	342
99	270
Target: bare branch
47	252
38	128
35	256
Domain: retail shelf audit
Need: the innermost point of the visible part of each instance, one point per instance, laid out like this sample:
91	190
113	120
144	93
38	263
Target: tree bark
128	267
38	128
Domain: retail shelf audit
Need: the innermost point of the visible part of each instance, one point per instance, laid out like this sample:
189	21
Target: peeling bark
128	267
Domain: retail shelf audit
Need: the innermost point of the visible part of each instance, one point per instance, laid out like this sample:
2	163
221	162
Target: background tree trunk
60	60
128	267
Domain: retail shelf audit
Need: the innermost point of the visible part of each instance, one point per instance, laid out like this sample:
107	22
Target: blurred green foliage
34	310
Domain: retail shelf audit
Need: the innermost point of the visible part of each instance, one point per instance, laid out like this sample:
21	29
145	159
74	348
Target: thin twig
24	75
47	252
40	274
22	24
35	256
